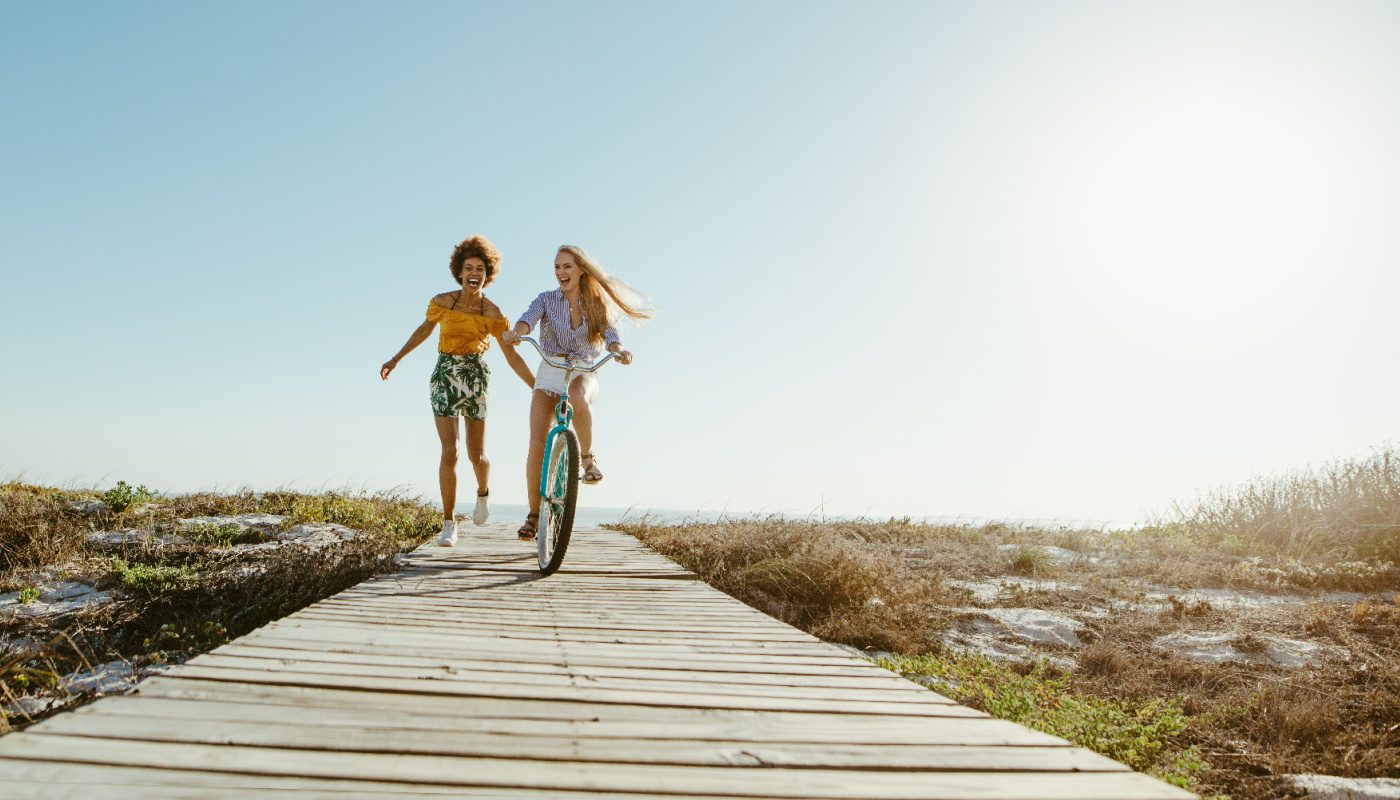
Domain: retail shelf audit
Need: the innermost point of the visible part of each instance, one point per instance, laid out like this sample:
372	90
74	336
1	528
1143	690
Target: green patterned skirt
458	386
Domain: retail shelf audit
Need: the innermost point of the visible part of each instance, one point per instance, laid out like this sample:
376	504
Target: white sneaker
481	513
449	533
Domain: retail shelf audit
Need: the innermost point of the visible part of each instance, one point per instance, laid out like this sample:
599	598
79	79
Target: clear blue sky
1005	259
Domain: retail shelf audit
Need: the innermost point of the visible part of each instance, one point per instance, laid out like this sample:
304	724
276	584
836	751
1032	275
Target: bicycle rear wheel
560	497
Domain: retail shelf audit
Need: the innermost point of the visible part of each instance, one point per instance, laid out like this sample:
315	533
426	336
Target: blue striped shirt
556	335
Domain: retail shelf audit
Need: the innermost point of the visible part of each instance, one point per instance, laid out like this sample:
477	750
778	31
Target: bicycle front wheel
560	497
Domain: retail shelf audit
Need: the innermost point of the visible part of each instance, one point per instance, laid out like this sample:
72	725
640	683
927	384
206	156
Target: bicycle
559	471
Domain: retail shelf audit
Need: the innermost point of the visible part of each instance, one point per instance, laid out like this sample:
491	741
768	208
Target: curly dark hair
475	247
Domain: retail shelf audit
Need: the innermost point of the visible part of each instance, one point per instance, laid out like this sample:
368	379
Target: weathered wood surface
468	675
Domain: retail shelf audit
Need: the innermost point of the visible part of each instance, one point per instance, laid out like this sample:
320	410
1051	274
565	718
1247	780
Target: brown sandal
591	473
527	531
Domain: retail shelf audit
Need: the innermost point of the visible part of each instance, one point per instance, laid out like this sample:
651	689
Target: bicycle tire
560	498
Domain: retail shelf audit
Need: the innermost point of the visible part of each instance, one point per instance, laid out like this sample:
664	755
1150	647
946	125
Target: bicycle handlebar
565	365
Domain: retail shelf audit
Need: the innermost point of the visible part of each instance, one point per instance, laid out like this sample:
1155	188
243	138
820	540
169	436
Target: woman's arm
421	333
527	322
512	336
615	345
515	361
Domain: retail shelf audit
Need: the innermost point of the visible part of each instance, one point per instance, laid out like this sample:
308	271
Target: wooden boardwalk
467	675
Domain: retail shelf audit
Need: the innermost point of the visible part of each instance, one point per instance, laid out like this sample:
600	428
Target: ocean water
589	516
592	516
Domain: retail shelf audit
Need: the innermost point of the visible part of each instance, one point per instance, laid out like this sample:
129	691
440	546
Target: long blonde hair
604	297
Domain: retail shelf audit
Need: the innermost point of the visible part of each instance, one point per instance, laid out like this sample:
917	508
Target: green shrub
193	636
1143	736
123	496
29	594
224	535
152	579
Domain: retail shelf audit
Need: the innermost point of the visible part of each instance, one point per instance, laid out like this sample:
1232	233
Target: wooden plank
551	618
292	734
355	631
785	644
45	780
696	613
911	707
611	723
436	608
709	663
419	770
530	708
530	680
381	657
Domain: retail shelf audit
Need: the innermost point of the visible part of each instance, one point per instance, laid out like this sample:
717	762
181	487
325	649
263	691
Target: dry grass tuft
1360	611
1346	509
843	582
36	526
1032	562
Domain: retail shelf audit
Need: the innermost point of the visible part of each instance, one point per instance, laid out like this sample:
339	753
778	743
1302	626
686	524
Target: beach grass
183	592
1234	729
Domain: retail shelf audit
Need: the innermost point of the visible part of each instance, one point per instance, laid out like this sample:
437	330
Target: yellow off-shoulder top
462	332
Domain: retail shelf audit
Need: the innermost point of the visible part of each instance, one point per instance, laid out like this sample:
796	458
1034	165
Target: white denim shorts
549	378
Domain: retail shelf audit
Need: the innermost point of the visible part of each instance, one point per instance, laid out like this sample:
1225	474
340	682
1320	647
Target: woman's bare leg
583	393
476	453
447	467
541	415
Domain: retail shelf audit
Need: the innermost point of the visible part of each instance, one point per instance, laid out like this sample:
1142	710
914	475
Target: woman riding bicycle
576	324
458	383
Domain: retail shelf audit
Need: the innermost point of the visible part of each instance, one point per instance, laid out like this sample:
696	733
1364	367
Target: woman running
458	384
576	324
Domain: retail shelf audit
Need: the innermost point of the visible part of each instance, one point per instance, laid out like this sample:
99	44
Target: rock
988	638
1331	787
1158	598
268	522
115	540
1036	625
110	677
10	645
64	597
114	677
1216	648
309	532
88	508
29	707
312	535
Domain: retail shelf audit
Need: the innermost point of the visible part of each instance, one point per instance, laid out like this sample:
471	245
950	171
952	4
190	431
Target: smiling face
567	272
473	274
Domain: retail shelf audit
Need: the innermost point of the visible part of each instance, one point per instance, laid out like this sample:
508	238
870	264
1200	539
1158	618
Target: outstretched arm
512	336
515	361
421	333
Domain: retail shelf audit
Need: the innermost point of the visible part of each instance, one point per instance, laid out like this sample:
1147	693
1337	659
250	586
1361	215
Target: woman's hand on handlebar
623	356
511	338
